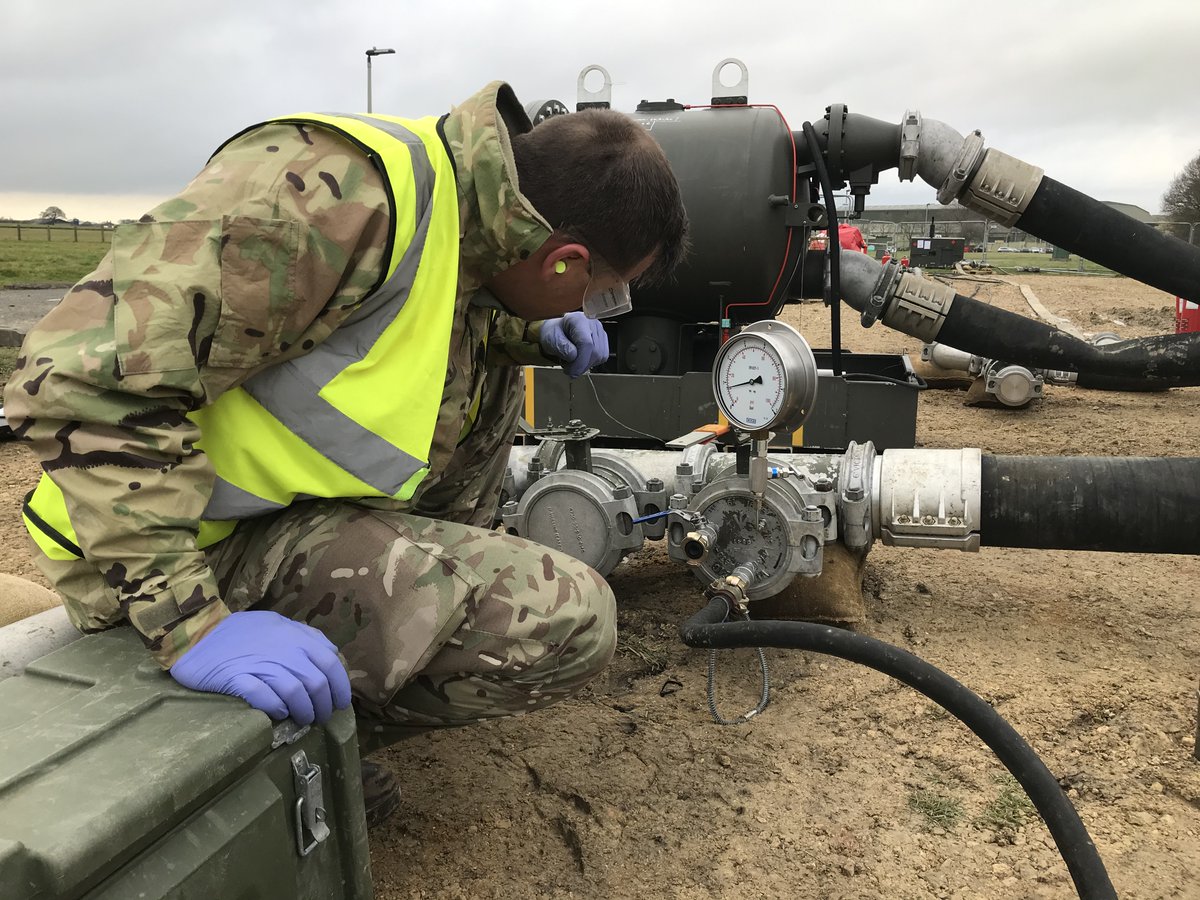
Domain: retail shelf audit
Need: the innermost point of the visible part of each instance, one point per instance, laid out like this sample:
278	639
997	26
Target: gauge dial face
751	384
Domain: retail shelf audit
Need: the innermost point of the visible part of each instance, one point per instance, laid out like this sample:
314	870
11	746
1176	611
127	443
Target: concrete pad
22	308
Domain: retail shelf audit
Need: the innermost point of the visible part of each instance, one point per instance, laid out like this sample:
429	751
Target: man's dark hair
599	178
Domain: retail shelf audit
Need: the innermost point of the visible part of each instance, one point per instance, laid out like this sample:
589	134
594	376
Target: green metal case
115	782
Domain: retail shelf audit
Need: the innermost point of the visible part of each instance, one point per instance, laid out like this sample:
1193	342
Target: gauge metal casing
765	378
777	540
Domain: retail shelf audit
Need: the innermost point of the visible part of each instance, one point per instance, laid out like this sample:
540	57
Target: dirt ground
849	785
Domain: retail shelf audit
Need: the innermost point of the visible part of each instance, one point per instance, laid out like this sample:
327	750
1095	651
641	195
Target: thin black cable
706	629
916	380
797	265
833	246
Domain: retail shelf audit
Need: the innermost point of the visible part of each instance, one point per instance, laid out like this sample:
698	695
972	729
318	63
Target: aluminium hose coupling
698	542
990	182
733	588
929	498
884	291
899	299
918	307
910	144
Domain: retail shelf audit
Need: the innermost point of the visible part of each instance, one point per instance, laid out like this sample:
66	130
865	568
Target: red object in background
1187	316
851	238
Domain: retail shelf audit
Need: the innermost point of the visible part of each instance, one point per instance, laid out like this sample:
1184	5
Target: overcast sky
108	106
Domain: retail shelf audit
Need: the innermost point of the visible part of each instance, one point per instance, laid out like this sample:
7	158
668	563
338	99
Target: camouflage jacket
261	257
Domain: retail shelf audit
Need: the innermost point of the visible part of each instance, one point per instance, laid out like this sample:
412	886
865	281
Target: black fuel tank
730	162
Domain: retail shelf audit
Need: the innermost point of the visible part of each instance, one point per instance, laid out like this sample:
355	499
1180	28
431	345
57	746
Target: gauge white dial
765	377
751	384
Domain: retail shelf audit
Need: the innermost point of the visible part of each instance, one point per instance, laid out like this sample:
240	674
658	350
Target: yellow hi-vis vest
355	416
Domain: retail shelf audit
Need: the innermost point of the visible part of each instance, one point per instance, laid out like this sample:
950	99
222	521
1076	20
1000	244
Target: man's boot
381	793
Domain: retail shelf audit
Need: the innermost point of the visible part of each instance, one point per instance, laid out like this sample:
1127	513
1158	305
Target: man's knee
539	639
550	618
590	636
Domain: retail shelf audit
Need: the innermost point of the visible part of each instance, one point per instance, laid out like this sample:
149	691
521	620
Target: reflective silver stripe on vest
231	502
290	390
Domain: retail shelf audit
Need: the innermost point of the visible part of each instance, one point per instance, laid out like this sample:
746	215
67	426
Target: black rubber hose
1093	382
1125	504
706	629
1074	221
833	246
1168	360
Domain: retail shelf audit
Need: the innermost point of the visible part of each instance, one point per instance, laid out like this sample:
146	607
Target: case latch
310	805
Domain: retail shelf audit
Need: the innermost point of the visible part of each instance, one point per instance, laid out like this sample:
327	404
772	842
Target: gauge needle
756	380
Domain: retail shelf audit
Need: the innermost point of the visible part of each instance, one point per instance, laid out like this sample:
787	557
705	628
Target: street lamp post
374	51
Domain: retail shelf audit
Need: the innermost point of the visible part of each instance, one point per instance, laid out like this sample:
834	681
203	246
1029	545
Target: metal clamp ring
969	157
885	289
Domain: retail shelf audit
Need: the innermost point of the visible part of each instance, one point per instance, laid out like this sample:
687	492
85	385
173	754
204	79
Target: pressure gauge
765	378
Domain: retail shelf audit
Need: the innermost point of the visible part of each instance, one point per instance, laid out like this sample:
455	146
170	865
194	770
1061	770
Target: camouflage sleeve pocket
162	272
258	274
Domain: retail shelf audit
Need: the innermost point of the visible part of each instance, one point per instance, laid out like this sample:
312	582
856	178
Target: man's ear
562	259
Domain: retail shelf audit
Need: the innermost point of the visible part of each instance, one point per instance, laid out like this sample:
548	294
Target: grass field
47	262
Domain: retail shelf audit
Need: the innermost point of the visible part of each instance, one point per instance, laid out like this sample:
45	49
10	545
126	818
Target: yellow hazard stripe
529	394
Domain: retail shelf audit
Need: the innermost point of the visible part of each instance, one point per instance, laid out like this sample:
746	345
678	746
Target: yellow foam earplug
560	267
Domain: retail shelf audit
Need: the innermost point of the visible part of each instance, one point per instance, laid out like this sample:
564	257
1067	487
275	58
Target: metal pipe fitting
908	303
698	542
988	181
928	498
939	147
945	357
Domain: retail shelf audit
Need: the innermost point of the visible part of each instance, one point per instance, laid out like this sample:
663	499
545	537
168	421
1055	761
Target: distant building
900	223
912	214
1134	212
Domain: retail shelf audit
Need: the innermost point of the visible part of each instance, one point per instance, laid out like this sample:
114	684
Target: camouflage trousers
439	624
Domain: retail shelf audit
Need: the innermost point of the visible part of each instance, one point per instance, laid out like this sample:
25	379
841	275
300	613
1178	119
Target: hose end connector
733	588
910	144
884	290
990	182
919	307
697	543
930	498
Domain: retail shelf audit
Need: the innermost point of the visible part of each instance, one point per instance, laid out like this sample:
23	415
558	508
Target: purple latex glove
281	667
577	340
